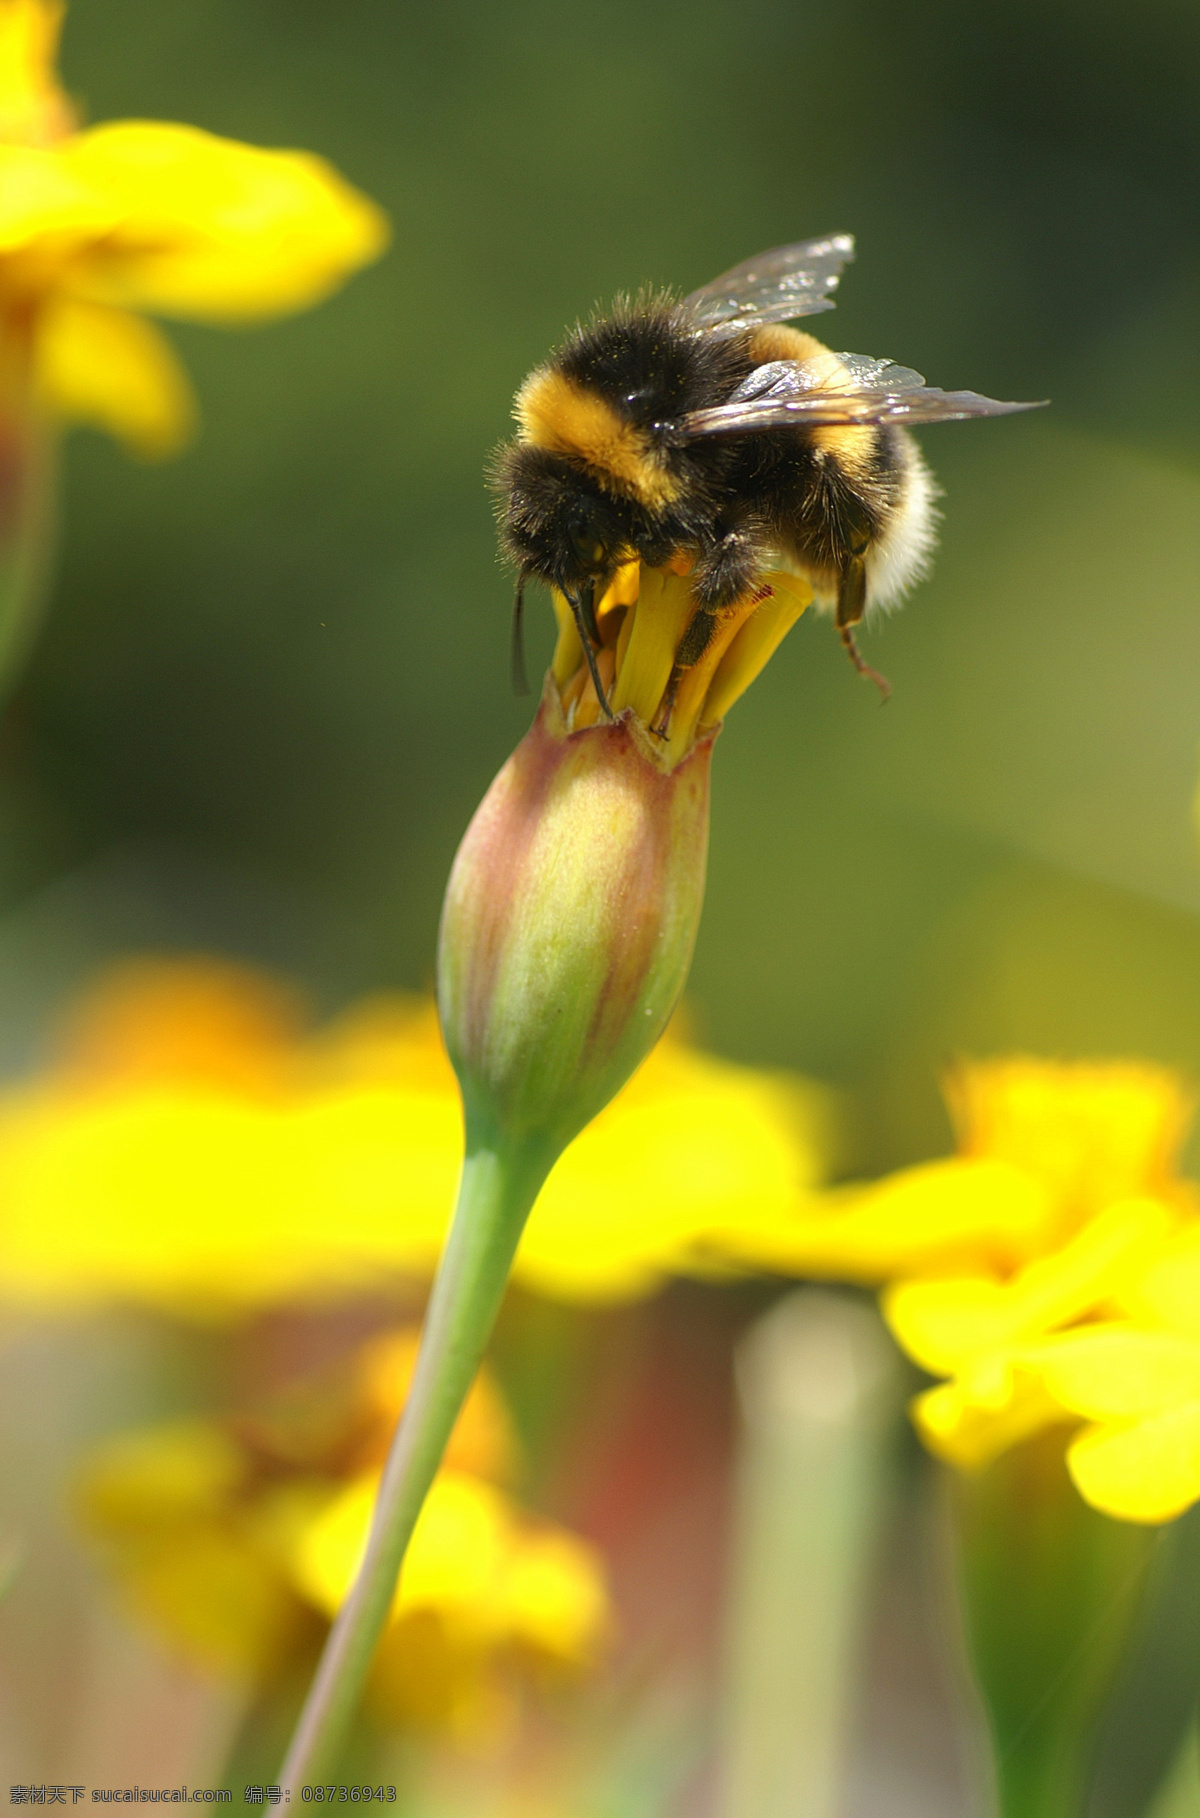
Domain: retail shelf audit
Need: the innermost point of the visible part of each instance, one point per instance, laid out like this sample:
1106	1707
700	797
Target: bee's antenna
520	677
584	612
881	682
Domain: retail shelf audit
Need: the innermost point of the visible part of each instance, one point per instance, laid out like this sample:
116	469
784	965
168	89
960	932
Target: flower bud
568	928
566	937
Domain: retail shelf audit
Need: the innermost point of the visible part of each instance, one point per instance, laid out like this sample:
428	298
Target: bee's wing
775	286
784	392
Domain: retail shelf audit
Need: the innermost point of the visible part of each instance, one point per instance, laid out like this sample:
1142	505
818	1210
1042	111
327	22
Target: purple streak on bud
569	924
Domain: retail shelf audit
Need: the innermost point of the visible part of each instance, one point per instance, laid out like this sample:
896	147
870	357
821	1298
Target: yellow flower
1063	1210
169	1510
99	224
982	1332
1060	1207
1136	1379
194	1149
237	1539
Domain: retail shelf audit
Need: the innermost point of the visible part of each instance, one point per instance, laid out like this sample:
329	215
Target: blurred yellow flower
1136	1380
480	1581
1140	1460
1043	1146
141	215
984	1333
1051	1272
237	1539
193	1148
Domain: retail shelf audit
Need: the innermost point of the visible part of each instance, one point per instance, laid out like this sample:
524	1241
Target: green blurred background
274	680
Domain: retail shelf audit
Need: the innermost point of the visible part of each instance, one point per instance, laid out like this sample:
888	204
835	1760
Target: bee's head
556	523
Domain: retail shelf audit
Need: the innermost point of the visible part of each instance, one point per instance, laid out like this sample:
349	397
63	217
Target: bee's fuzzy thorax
557	413
605	398
645	357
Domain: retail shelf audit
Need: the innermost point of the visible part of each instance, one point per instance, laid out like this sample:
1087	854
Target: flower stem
819	1392
494	1199
28	495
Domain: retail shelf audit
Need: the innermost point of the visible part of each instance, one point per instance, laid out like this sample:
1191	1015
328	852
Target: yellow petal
267	1202
1148	1471
45	202
695	682
183	1470
33	108
474	1561
312	1167
453	1559
944	1323
936	1216
1167	1291
1093	1132
969	1424
162	1505
755	643
568	651
693	1152
146	1021
1117	1372
665	604
483	1443
214	229
556	1597
116	372
214	1599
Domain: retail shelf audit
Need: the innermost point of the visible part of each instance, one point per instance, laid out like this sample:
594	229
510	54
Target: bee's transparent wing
775	286
798	393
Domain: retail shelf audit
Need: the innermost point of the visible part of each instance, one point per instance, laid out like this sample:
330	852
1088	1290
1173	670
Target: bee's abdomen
829	496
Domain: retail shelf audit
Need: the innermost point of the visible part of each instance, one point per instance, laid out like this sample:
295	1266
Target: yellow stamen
642	617
665	605
622	590
568	652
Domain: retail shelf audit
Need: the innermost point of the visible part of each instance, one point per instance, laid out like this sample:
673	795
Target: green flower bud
569	924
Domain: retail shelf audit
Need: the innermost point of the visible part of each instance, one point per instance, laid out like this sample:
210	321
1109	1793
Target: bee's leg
728	568
724	572
583	609
587	605
692	645
520	676
697	638
852	600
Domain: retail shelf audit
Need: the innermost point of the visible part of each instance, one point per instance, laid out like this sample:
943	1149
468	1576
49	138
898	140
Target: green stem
29	512
1051	1590
494	1200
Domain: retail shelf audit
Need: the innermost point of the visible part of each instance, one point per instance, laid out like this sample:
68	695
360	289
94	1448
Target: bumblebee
712	430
